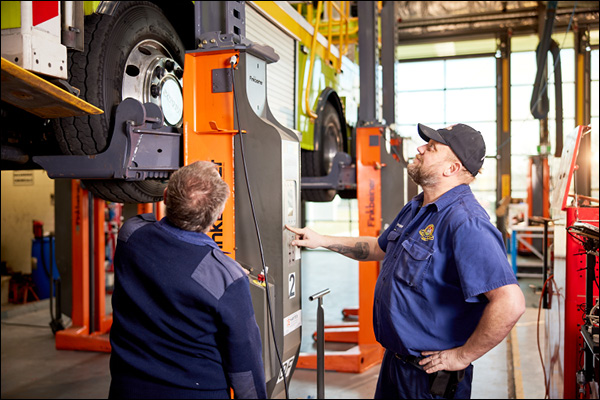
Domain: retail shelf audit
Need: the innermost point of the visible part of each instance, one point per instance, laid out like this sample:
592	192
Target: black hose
539	98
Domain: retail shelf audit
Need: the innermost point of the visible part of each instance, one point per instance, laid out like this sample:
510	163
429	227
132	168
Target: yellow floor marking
516	364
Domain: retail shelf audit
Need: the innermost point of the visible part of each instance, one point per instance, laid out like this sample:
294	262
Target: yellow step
31	93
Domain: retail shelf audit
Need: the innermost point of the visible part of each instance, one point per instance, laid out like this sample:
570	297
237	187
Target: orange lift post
90	327
208	128
90	322
378	159
367	351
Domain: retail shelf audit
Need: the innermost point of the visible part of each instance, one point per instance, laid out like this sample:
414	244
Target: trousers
400	379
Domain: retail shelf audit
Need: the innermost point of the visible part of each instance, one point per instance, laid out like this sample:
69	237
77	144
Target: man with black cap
446	293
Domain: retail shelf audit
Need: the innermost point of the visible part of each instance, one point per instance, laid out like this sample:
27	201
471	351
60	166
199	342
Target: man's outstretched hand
306	237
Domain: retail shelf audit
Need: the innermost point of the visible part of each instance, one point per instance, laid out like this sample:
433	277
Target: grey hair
196	195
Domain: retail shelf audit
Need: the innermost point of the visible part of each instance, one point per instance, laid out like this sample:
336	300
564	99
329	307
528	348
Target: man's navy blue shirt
439	261
183	322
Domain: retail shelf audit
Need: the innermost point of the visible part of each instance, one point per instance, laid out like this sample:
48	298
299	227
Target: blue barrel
41	272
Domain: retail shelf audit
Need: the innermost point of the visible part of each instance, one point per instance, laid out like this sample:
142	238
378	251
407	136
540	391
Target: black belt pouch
444	383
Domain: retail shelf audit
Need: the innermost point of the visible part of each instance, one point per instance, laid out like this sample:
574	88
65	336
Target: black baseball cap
466	142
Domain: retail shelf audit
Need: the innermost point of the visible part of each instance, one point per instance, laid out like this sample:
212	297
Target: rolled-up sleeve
480	258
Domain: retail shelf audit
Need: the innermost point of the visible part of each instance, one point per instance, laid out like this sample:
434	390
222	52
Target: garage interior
525	73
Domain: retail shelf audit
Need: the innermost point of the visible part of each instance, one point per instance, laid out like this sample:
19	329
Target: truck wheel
133	53
320	161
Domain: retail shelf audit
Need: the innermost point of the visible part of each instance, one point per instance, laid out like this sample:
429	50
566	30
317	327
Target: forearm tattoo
360	251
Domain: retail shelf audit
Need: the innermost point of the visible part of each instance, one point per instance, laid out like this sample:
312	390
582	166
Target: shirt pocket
391	249
393	235
414	261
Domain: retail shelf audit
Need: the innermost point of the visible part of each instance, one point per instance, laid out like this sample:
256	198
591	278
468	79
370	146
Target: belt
412	360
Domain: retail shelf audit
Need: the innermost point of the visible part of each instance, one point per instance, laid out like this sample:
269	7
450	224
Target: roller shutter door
281	76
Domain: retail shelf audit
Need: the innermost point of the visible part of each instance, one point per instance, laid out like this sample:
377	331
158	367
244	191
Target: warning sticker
292	322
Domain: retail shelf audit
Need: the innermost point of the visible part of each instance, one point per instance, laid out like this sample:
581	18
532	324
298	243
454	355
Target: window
525	130
439	93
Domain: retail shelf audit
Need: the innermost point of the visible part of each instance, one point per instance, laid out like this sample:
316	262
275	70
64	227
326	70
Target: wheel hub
151	75
331	146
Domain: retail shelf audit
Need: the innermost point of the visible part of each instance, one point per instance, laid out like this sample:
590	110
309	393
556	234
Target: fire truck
95	54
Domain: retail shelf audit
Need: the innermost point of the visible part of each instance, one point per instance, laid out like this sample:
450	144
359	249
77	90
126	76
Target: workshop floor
33	368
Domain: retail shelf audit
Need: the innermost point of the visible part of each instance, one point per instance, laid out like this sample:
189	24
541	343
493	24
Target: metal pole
58	312
197	22
545	263
320	343
388	58
367	43
320	351
51	241
91	284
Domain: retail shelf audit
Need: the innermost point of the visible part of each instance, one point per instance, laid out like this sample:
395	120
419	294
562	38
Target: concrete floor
33	368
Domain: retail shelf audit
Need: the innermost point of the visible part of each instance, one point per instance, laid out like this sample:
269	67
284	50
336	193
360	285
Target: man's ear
165	195
454	168
223	207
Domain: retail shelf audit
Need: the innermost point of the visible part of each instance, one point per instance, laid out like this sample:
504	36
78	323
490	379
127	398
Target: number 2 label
292	285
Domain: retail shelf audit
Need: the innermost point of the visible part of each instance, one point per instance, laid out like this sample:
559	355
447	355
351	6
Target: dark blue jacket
183	322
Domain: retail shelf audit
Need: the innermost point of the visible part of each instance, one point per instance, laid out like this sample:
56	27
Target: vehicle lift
216	114
224	97
232	125
378	177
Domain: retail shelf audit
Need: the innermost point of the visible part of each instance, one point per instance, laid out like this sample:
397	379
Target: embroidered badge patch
427	233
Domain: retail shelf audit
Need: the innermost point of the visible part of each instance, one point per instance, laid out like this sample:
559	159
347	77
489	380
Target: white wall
24	200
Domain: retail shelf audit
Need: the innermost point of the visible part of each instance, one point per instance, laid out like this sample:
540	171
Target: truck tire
320	161
132	53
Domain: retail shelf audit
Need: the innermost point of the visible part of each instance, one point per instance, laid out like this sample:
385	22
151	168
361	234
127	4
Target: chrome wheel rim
151	75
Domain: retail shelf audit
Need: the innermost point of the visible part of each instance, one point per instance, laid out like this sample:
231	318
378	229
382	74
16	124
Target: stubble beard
421	177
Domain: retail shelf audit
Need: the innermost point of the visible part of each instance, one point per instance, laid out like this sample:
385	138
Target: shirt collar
188	236
444	200
417	201
451	195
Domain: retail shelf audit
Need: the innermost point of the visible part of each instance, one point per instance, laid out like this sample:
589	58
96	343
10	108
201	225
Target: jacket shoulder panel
133	224
216	272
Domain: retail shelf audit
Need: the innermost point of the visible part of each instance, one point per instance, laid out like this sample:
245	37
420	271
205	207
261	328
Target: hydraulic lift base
344	333
357	359
78	338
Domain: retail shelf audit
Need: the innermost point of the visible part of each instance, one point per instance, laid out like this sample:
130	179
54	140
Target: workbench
520	234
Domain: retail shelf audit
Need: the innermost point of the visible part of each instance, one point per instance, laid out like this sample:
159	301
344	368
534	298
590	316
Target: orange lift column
144	208
152	208
90	326
367	351
102	321
368	185
208	129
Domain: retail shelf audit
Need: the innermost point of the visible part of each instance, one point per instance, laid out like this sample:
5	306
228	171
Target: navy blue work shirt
183	322
439	261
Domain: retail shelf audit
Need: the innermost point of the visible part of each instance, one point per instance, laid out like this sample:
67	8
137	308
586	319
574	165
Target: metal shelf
589	341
